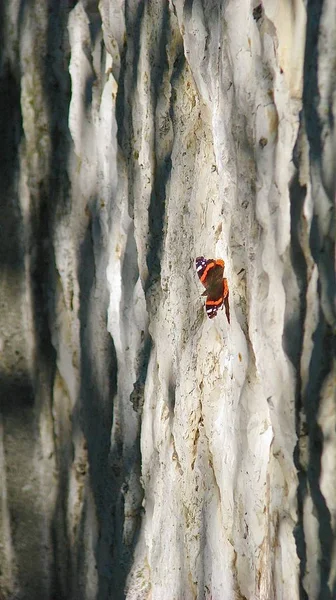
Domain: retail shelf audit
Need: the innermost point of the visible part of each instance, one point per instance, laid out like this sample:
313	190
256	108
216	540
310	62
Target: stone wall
146	451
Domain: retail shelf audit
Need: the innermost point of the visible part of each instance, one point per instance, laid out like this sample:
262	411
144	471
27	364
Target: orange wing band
205	272
214	302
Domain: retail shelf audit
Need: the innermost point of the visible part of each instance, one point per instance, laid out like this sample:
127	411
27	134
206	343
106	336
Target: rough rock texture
147	452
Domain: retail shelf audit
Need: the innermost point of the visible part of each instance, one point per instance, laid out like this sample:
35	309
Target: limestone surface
148	452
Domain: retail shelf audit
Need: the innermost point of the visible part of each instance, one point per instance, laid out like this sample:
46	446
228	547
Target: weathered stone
145	450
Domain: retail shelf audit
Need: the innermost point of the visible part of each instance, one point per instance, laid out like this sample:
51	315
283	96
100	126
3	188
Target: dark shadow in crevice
125	458
95	20
11	132
95	29
53	203
293	345
324	351
294	327
310	80
187	9
43	290
129	275
125	466
127	83
96	398
137	395
171	394
61	576
162	163
323	253
129	55
156	214
57	89
178	68
323	250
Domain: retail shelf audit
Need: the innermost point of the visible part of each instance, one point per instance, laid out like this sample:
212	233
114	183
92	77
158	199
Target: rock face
147	452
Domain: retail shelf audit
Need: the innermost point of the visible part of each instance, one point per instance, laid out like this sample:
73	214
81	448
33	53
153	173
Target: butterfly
211	271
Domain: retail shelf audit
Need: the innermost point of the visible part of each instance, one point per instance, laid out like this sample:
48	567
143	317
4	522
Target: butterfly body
210	272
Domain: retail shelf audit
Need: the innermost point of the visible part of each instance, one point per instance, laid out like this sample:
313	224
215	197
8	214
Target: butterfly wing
209	269
215	296
201	265
226	299
210	272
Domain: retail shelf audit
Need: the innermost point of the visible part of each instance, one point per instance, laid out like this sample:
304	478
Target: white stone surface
168	456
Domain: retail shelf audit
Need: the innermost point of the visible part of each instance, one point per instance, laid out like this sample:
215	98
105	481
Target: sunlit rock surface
147	452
